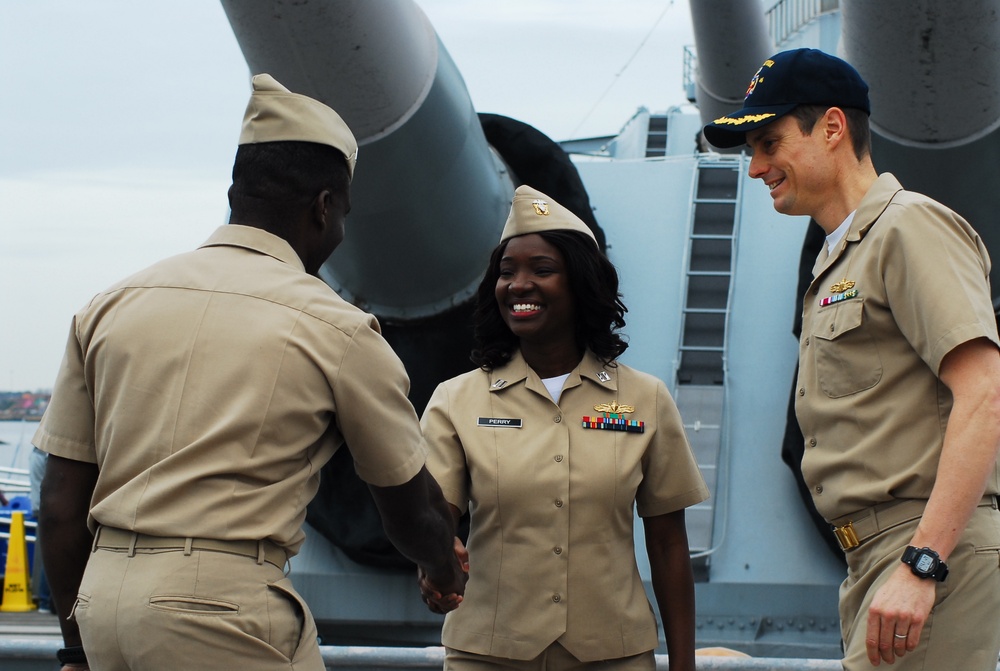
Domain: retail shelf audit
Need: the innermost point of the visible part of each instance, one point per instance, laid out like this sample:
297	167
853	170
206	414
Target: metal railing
787	17
36	653
688	72
14	481
32	653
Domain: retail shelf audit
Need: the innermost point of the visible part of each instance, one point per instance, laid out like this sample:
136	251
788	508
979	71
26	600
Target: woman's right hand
463	556
432	595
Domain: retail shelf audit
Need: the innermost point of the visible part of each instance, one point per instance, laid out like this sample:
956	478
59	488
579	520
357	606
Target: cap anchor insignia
541	207
531	211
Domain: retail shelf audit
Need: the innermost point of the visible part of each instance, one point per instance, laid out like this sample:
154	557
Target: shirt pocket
846	355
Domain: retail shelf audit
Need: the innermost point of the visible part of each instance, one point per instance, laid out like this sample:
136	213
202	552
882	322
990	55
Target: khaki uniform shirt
908	283
211	388
551	545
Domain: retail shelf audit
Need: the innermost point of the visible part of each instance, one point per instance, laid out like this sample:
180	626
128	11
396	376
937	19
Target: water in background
16	443
15	451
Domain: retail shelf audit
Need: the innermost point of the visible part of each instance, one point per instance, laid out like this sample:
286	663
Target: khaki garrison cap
275	114
533	212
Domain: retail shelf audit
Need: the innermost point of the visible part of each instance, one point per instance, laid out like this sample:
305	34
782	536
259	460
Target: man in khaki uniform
898	393
195	406
553	449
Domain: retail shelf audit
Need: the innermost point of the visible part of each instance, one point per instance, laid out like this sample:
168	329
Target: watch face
925	563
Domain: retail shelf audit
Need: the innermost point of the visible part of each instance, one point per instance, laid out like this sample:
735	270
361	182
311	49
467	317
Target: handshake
443	592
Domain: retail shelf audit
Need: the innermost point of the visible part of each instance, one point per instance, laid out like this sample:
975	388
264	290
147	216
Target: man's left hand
897	615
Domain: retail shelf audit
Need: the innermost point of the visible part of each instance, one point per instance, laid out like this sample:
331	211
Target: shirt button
557	419
819	489
558	551
815	290
556	598
831	328
807	342
559	503
802	391
558	457
812	442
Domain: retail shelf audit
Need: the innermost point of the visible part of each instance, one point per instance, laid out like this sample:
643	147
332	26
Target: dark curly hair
590	275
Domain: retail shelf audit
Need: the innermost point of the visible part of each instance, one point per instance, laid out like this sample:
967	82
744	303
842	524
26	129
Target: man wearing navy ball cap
775	90
898	390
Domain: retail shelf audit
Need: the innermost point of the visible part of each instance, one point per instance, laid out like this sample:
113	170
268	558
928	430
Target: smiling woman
536	304
549	447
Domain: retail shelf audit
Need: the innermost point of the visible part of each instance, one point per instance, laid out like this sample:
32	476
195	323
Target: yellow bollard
16	587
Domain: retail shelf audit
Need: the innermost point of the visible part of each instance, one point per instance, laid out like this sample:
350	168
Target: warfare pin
613	418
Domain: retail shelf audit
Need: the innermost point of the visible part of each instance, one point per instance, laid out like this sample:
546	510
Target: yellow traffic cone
16	588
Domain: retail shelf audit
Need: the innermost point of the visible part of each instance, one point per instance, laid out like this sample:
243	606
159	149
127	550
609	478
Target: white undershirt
838	234
555	385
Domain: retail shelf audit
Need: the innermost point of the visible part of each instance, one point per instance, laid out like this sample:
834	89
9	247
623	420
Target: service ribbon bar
613	422
830	300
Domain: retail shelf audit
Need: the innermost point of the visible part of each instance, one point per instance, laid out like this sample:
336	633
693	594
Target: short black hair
288	171
857	124
593	280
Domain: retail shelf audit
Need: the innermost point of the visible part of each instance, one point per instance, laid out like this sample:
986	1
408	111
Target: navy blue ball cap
785	81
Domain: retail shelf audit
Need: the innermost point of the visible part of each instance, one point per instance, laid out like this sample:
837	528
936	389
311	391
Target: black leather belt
110	538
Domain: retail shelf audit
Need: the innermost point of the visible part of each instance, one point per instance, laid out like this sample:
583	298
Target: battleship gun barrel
934	69
737	33
934	73
430	197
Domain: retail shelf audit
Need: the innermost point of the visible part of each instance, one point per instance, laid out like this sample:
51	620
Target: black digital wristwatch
925	563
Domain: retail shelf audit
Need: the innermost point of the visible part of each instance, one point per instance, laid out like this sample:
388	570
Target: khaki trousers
962	632
164	609
553	658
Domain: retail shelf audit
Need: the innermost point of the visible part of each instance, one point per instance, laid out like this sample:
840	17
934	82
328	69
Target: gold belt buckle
846	536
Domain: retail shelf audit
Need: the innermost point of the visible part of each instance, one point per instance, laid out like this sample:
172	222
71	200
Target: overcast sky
120	118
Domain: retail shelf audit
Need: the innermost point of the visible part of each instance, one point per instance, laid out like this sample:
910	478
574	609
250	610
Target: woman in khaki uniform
551	445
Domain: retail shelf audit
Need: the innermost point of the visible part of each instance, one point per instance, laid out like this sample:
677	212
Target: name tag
499	422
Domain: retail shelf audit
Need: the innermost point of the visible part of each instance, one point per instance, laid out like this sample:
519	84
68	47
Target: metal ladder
656	135
701	386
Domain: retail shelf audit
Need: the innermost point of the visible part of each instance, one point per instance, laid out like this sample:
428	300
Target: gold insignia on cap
532	211
614	407
842	285
541	207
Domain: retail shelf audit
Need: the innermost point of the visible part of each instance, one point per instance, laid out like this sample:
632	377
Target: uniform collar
590	369
871	207
255	239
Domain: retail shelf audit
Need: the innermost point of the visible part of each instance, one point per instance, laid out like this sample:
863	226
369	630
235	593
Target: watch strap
73	654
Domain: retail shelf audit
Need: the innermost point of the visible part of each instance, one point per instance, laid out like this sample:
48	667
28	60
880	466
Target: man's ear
321	207
834	124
